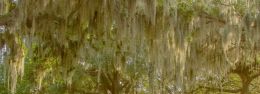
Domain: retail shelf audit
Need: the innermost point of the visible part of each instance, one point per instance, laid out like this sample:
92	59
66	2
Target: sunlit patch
2	29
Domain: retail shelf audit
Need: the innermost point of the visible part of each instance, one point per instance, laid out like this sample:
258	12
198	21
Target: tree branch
255	75
219	89
8	19
4	19
207	16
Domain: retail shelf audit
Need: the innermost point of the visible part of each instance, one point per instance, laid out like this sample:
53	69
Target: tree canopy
129	46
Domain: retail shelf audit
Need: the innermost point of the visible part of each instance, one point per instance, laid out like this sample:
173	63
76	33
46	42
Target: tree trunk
245	83
245	87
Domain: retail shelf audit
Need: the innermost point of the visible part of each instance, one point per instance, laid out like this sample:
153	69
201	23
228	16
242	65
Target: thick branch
8	19
255	75
223	90
4	19
215	19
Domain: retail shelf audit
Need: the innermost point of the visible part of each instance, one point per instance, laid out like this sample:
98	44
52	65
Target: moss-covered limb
5	19
212	18
6	6
8	12
221	90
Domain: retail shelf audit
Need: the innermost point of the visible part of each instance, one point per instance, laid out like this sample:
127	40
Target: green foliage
240	7
185	11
